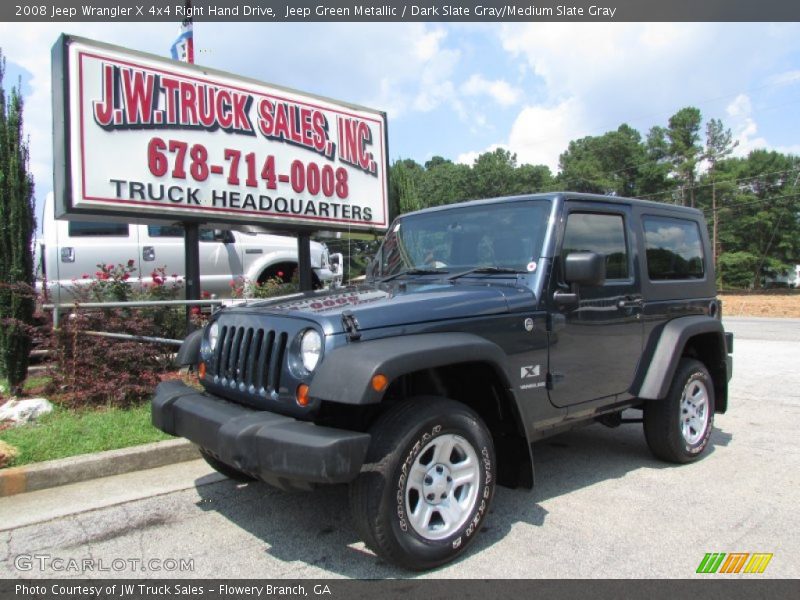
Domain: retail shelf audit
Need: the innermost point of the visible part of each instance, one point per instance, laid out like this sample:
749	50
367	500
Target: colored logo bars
734	562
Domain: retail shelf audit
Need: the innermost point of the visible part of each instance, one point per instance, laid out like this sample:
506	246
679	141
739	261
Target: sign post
304	261
183	50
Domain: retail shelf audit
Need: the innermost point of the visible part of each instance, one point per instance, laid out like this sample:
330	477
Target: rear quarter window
674	249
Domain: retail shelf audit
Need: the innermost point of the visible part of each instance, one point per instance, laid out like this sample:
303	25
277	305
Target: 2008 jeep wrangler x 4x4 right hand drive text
483	327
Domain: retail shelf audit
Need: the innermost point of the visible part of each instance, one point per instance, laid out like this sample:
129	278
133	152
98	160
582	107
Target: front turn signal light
201	370
301	394
379	382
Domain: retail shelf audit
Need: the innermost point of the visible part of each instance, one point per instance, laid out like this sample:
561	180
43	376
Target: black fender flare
656	376
345	375
189	352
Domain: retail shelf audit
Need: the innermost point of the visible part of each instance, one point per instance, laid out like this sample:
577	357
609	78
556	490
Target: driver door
596	342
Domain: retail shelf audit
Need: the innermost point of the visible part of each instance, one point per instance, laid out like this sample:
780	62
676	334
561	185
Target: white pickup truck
70	250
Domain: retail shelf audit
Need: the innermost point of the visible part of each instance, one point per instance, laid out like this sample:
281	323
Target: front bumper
275	448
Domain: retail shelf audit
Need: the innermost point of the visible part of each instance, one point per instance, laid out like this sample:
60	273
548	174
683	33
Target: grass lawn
65	433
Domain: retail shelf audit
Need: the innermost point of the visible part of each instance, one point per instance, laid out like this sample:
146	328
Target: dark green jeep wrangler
482	328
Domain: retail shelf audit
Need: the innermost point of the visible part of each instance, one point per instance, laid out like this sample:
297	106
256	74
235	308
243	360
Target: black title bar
429	589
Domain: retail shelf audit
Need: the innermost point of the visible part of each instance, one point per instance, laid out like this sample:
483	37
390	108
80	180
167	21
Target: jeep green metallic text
482	328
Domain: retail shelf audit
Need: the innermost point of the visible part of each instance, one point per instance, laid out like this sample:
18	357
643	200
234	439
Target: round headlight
310	349
213	335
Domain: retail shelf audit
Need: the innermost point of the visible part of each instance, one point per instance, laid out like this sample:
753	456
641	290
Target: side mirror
223	235
581	268
585	268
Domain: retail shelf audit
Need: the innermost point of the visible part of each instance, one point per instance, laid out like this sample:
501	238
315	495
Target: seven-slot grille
249	359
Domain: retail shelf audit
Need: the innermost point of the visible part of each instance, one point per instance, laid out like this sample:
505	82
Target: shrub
17	225
269	288
168	322
110	284
93	370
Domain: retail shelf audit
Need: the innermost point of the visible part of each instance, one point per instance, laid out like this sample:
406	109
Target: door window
600	233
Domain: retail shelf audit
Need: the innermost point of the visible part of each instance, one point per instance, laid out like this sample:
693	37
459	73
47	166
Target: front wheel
678	428
426	484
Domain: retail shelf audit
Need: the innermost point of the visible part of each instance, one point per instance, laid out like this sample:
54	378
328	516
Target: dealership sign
141	136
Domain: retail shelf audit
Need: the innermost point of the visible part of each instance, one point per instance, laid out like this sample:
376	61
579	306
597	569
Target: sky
457	90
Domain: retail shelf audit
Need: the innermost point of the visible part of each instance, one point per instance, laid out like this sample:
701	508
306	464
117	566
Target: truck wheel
426	484
226	470
678	428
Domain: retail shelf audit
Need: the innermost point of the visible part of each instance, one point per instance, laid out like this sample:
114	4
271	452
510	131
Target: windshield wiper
482	270
413	272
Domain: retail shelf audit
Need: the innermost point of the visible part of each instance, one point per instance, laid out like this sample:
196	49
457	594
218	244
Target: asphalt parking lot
602	507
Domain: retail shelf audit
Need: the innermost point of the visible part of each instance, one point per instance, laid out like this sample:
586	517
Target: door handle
68	254
148	253
631	302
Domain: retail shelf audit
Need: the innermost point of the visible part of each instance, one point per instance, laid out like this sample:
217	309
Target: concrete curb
52	473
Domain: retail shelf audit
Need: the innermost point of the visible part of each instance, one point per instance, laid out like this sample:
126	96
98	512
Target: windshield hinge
350	324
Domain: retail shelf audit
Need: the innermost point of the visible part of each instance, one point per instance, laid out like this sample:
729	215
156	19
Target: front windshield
503	236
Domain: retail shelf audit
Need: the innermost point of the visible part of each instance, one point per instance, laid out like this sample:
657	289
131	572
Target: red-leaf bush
101	371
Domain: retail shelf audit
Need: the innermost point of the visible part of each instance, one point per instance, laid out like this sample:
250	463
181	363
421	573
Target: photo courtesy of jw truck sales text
193	143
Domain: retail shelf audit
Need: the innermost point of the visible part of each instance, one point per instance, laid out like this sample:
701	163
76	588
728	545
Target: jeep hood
397	304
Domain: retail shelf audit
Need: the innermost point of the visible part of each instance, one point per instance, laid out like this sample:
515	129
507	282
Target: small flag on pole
183	47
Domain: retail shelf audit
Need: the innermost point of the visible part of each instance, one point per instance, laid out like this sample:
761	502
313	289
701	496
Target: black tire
382	498
664	419
226	470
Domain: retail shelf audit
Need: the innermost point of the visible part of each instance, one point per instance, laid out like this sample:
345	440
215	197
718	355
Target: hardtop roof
563	196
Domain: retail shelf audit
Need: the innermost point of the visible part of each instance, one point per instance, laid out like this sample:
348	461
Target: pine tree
684	149
17	225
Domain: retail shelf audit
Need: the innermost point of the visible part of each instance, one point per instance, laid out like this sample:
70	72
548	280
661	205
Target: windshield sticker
531	267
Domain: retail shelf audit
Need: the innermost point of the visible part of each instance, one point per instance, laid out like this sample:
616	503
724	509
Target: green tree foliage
444	182
441	181
685	150
16	230
493	173
606	164
531	179
759	219
654	173
719	145
755	199
403	193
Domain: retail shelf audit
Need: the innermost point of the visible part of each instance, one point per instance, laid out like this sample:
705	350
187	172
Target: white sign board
149	137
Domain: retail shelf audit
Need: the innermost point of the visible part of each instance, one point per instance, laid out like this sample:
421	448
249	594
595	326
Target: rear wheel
678	428
426	484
